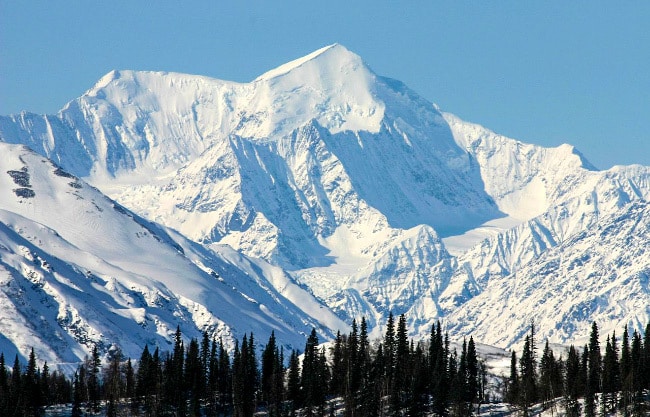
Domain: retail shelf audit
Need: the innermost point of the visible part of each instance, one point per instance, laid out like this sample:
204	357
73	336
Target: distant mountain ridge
357	189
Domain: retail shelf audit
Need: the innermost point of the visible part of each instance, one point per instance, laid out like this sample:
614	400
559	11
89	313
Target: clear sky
546	72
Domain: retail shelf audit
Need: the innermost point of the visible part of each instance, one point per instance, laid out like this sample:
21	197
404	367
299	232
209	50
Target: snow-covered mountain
78	269
347	187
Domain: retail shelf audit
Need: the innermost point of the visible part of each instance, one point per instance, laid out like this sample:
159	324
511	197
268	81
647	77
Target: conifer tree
528	381
352	376
30	386
337	385
293	382
245	379
594	372
610	376
224	380
547	370
4	387
472	372
440	373
571	383
313	376
193	376
401	384
129	382
76	396
646	358
93	381
389	355
269	358
512	393
418	385
368	385
113	383
637	385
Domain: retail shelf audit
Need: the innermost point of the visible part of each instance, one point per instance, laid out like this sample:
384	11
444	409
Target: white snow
318	192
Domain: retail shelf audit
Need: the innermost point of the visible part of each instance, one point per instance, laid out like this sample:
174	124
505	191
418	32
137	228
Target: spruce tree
637	385
571	383
193	377
338	366
352	376
76	396
528	381
293	382
94	388
113	386
472	372
417	401
269	359
30	386
312	376
225	376
646	358
4	386
389	354
547	370
400	388
512	393
594	373
610	376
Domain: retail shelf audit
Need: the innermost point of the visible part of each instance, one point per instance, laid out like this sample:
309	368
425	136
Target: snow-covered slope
333	182
601	274
77	269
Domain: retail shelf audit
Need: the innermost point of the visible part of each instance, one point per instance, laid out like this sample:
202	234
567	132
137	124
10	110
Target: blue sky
542	72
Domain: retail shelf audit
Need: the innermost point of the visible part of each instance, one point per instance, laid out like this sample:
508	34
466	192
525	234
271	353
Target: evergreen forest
394	376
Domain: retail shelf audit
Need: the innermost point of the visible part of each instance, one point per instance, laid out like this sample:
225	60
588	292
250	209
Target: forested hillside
352	376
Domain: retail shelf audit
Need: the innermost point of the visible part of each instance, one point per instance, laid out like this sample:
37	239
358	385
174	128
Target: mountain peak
334	54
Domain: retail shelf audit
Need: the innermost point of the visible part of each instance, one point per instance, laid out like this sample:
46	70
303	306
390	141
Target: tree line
588	381
394	376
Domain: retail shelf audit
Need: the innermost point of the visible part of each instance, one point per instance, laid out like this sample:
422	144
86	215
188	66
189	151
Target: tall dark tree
594	373
224	379
193	377
548	370
31	386
528	380
337	385
472	372
401	387
637	378
571	383
352	371
76	396
419	372
610	376
440	372
646	358
512	386
245	378
113	385
368	401
293	382
389	355
313	376
4	386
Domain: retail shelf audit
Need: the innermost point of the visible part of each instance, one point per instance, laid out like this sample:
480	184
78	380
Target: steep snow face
523	179
77	269
599	274
593	195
